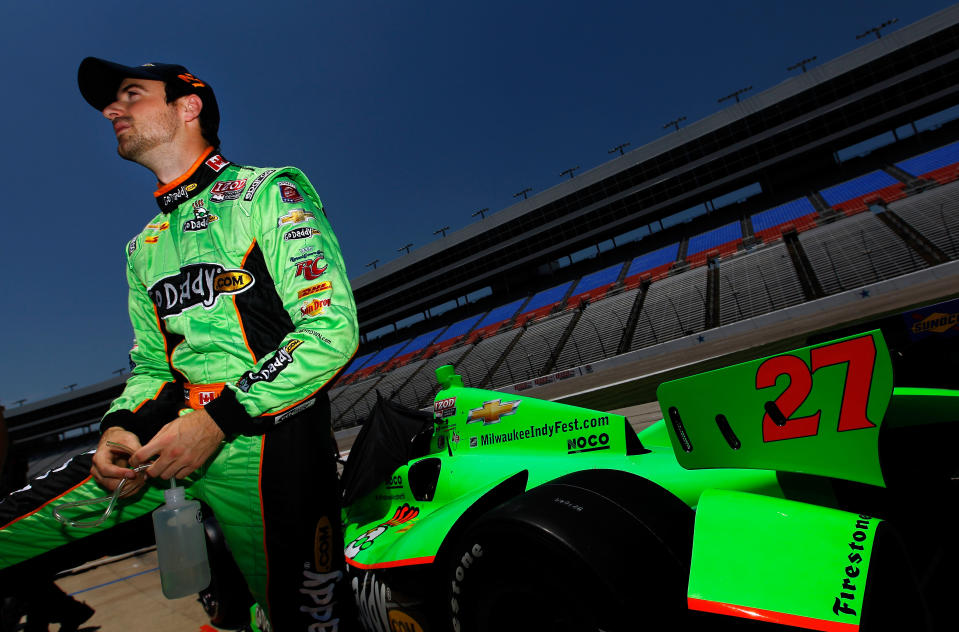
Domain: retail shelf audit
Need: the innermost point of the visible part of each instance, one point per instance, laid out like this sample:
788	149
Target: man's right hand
110	462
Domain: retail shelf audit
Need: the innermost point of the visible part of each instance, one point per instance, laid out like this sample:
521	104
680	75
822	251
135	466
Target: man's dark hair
177	89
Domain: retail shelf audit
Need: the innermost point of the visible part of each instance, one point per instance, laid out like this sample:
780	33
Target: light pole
802	64
372	264
618	148
406	248
442	230
523	193
675	123
876	30
482	213
735	95
69	387
569	172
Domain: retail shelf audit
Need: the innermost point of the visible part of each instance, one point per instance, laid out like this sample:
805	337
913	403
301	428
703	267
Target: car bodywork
772	456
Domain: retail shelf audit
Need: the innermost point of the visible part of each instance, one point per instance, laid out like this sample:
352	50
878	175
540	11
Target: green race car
800	490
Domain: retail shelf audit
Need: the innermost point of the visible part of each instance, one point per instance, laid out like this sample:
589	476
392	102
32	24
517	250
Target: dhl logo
151	240
314	289
162	226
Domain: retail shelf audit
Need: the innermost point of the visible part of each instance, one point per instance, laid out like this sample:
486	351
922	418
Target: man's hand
110	462
181	446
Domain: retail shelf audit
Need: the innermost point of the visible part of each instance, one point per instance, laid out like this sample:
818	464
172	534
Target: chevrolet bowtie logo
295	217
491	412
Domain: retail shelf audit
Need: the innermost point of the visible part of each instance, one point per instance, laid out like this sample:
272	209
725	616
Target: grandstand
755	209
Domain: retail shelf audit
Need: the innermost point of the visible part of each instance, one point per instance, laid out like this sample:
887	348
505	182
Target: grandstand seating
379	359
674	307
595	286
935	214
543	303
496	318
849	253
357	364
798	215
854	195
719	242
755	284
652	266
941	165
453	335
857	251
423	386
531	352
477	365
598	332
415	347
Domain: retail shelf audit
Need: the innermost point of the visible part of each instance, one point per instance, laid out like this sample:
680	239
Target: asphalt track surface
125	591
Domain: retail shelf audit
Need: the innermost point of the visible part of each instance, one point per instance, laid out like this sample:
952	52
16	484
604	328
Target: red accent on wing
413	561
768	615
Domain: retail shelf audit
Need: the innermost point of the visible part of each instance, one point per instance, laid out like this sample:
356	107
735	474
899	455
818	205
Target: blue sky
407	116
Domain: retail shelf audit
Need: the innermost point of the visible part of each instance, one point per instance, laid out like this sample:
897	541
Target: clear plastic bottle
181	545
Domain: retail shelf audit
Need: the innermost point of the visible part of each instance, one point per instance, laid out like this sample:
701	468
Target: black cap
100	79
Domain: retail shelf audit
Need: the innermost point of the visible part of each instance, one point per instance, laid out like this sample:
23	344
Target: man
243	315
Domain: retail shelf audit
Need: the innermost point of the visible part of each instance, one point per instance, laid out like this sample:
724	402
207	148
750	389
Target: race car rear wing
815	410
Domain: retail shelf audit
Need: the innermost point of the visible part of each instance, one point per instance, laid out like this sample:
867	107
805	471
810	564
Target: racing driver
243	315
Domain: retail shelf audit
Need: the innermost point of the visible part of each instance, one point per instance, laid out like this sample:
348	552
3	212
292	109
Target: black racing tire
227	600
575	554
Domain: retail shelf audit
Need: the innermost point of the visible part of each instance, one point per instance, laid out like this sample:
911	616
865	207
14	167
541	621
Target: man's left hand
181	446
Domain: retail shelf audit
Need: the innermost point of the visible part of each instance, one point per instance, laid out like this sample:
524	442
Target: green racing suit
240	303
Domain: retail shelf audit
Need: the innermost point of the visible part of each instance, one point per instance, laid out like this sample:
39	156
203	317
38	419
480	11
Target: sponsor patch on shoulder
227	190
289	193
311	269
316	307
296	216
201	218
315	289
256	184
132	246
151	240
300	233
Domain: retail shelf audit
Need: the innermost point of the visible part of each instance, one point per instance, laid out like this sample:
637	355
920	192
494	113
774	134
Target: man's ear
189	107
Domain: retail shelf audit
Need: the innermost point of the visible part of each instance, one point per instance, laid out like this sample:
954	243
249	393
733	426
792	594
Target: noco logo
197	284
589	443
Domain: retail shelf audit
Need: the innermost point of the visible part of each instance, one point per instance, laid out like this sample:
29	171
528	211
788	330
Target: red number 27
860	356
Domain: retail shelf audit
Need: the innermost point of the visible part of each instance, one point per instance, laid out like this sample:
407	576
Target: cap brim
100	79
